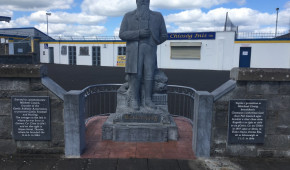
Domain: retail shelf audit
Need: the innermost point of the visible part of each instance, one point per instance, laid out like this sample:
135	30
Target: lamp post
277	9
47	14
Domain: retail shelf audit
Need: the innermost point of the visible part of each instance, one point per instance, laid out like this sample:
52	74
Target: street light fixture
47	14
277	9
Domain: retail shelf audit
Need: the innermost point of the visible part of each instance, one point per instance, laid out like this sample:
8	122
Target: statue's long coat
129	32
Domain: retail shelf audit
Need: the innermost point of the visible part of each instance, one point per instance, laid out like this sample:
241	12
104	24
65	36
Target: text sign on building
121	61
45	46
31	118
246	121
192	36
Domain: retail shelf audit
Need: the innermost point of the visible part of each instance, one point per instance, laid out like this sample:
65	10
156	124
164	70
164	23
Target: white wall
44	58
266	54
215	54
109	52
219	54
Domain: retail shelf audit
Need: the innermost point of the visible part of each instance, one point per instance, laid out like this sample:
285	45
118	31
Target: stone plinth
140	127
260	74
22	71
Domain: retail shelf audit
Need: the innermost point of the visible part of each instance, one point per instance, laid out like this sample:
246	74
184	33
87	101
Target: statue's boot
148	85
135	105
135	88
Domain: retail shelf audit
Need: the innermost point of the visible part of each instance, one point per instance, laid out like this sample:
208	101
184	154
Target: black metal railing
102	99
181	101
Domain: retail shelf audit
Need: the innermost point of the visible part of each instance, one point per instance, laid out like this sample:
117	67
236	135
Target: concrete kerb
53	86
74	123
224	89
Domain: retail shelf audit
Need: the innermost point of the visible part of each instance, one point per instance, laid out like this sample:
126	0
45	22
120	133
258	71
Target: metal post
225	28
277	9
47	14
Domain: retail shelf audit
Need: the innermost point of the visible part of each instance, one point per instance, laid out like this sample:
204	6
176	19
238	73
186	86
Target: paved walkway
47	162
96	148
98	164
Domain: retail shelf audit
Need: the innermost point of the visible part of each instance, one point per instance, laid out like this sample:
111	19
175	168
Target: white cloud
116	31
33	5
240	2
67	18
19	22
284	17
71	30
246	18
22	21
189	4
108	8
5	12
119	7
270	30
5	25
287	5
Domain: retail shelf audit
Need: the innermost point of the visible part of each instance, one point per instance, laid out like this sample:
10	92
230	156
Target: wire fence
259	35
239	35
85	38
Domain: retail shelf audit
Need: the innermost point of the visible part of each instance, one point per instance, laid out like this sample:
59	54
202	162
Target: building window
63	50
185	50
4	47
121	50
96	57
84	50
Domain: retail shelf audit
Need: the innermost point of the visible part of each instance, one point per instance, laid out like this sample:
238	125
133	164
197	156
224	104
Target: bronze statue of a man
143	30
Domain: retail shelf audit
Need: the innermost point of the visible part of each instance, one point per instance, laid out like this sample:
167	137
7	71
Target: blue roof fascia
15	36
27	28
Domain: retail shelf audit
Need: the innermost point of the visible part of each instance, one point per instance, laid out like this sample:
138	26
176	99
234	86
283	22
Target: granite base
140	127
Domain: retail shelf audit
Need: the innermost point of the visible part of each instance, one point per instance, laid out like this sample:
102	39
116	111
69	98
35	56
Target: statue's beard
143	12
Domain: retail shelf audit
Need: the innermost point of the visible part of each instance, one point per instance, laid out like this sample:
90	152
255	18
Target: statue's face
143	2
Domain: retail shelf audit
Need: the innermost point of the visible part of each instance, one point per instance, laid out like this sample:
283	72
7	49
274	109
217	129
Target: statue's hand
144	33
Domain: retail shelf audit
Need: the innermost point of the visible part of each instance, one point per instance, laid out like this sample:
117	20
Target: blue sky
103	17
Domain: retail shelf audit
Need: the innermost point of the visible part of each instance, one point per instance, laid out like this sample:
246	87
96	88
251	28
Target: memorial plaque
141	118
246	121
31	118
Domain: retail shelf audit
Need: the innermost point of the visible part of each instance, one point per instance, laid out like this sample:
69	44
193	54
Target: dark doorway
245	56
51	55
96	57
72	55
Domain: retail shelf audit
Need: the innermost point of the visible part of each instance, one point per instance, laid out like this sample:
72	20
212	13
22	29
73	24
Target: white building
200	50
208	50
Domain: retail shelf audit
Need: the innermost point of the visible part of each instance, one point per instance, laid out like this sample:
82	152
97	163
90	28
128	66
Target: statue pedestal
145	125
140	127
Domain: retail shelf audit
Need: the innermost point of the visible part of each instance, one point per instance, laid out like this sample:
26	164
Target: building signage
121	60
192	36
45	46
31	118
247	121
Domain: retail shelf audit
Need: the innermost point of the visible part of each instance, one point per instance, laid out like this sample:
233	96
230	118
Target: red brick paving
97	148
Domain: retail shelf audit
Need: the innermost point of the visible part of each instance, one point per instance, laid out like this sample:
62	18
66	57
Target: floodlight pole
277	9
225	28
47	14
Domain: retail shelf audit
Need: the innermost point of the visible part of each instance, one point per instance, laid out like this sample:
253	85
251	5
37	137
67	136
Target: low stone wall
248	83
29	80
19	59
